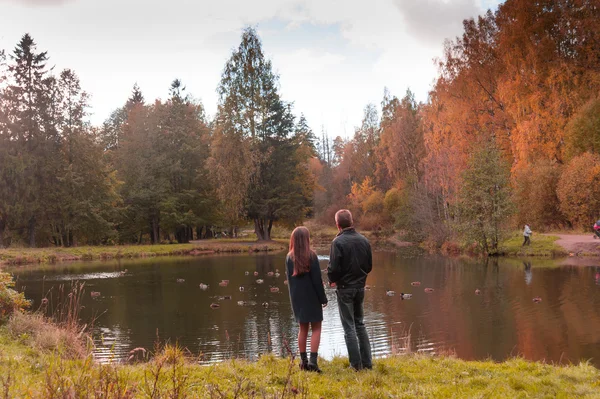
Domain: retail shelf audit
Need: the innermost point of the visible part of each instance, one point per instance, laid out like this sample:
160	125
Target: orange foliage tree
579	190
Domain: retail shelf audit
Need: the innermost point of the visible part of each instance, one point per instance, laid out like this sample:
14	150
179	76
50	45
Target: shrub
392	201
579	190
10	300
535	195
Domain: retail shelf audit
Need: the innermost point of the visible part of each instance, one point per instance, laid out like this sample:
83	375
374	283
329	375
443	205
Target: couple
350	261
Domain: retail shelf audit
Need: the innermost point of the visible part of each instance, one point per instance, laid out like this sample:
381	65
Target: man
526	236
350	261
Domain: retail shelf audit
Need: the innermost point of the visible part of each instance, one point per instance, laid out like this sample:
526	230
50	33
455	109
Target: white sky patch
333	56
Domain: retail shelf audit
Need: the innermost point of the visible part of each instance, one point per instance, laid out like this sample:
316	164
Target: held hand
324	305
332	285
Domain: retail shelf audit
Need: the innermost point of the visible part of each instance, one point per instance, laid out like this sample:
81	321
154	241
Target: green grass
29	372
18	256
541	245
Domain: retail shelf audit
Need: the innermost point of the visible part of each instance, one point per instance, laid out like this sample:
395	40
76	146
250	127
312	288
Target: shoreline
30	371
545	246
25	256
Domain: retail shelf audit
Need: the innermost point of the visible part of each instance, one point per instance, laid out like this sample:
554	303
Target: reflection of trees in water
266	263
266	330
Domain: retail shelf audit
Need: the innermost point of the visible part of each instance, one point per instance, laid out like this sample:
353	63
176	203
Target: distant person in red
597	228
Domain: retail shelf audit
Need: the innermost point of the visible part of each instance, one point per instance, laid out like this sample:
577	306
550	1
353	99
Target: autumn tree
579	190
401	149
582	133
264	183
161	159
535	195
485	198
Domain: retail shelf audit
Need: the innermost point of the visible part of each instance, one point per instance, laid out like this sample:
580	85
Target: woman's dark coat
306	292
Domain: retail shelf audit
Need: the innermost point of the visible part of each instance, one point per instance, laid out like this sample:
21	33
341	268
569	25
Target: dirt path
579	244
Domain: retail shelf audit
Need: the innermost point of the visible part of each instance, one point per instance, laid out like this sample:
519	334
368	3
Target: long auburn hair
300	251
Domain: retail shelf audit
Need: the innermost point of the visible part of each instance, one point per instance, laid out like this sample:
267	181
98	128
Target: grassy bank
541	245
321	237
19	256
30	370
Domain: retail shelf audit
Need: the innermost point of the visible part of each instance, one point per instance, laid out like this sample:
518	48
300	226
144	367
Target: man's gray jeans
350	303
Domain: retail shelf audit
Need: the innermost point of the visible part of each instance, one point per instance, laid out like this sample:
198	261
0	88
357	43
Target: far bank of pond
545	246
23	256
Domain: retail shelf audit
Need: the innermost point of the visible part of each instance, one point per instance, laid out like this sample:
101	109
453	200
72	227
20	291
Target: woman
306	293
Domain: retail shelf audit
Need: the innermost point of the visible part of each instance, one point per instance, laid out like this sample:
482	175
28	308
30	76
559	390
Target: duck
265	304
123	271
228	297
215	305
241	289
428	290
390	293
277	274
223	284
477	291
95	294
285	282
537	299
259	281
276	270
415	283
241	303
270	274
367	287
225	281
274	289
203	286
255	274
181	280
405	296
247	273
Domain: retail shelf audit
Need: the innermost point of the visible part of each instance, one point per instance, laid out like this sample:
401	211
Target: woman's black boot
312	363
303	361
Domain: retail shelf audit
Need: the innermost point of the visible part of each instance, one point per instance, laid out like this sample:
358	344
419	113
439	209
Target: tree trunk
2	228
154	230
263	233
269	229
258	230
31	231
182	235
199	232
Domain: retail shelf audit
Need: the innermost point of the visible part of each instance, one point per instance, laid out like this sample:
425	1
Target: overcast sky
333	56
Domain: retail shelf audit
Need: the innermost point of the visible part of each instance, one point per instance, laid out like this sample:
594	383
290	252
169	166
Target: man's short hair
343	218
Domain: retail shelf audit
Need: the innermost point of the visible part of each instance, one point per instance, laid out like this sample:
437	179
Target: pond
136	301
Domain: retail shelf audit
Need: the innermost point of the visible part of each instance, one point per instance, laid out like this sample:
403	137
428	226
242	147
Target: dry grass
37	332
172	374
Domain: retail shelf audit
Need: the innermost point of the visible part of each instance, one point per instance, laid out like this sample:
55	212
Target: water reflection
528	274
162	297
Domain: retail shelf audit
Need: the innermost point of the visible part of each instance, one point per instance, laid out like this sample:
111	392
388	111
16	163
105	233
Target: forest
509	134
